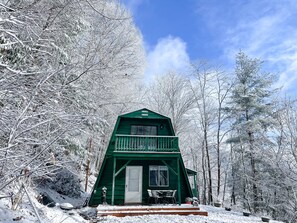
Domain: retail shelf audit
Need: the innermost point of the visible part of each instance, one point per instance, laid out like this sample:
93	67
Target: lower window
159	176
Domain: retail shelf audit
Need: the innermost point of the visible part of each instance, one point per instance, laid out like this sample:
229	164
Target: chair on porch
153	196
170	196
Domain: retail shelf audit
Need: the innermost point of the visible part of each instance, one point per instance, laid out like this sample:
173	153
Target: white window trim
158	167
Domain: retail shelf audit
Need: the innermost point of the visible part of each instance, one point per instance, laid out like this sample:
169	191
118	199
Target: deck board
149	210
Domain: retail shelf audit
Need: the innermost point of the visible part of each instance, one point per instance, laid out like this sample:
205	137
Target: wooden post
178	183
113	179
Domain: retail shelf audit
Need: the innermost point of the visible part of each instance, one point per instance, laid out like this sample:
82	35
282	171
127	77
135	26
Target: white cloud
265	29
270	35
170	53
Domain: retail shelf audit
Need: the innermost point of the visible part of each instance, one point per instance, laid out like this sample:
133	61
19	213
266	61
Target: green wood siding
119	196
163	126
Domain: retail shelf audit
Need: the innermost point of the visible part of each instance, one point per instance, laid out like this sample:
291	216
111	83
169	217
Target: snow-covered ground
215	215
25	213
56	215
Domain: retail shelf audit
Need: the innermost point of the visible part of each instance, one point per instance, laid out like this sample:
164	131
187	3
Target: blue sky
178	31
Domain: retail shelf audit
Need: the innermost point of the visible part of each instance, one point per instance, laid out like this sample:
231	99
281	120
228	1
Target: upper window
143	130
159	176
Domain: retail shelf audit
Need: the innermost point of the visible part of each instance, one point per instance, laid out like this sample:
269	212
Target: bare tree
223	88
203	91
62	66
170	95
283	163
210	88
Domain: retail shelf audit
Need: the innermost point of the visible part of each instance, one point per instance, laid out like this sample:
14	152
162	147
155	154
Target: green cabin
143	153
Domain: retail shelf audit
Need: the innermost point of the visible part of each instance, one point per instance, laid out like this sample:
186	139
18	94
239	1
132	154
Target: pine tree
250	108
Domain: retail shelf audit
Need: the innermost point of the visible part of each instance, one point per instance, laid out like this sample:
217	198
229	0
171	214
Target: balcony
145	143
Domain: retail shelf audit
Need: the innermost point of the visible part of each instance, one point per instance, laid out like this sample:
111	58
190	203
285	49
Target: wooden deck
148	210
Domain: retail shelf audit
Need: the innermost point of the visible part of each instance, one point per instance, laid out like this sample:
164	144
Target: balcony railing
146	143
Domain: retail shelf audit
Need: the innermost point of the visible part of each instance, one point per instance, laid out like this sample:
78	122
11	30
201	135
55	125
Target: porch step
149	210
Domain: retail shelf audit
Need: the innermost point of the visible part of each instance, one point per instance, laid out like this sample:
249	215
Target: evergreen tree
251	109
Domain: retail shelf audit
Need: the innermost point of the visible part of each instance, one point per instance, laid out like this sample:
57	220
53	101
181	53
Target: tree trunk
218	153
204	176
233	200
210	196
254	174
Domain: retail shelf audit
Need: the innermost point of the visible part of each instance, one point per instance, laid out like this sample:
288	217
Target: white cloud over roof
170	53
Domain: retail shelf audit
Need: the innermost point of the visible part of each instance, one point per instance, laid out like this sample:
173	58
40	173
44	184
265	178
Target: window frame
143	126
159	169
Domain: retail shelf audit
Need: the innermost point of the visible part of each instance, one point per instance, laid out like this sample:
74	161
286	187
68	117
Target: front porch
143	165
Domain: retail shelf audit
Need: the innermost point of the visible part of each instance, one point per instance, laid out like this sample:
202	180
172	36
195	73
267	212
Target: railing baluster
124	143
159	140
136	143
116	143
121	143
